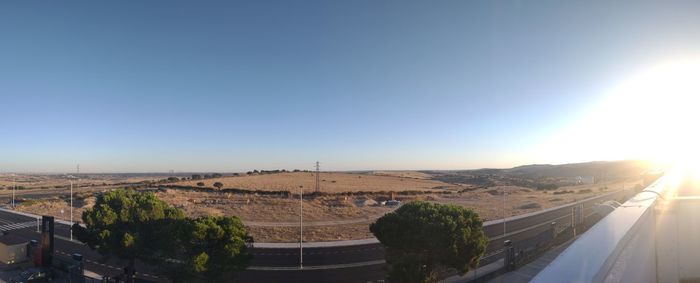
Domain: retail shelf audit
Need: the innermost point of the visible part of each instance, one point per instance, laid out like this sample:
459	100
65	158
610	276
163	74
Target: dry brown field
403	174
53	180
330	182
329	218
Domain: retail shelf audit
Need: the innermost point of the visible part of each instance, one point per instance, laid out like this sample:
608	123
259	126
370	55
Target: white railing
619	248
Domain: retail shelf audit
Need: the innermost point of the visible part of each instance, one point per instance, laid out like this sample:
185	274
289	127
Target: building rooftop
11	240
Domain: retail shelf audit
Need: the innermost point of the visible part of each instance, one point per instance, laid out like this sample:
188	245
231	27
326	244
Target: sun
652	115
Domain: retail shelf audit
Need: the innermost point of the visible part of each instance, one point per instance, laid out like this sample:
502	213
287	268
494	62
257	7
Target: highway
321	264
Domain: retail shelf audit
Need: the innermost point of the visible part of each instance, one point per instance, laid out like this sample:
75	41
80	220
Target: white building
12	249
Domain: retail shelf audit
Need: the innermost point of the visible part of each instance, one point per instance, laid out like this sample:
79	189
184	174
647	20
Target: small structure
12	249
585	180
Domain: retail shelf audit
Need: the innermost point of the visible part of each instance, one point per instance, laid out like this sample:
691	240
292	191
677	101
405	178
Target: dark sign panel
47	245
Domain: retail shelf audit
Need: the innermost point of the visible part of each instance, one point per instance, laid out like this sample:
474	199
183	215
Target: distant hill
598	169
536	175
594	168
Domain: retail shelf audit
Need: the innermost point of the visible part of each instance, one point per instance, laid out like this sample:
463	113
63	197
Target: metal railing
596	255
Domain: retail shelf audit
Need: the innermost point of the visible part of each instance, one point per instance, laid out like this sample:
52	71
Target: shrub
532	205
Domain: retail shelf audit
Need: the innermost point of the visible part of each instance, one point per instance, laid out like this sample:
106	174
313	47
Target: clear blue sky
235	85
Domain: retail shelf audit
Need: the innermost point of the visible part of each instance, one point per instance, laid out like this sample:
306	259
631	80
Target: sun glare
652	115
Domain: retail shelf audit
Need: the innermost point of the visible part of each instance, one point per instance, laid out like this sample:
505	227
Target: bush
530	206
201	184
218	185
546	187
585	191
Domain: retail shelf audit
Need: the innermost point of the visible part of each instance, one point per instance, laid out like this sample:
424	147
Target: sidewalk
527	272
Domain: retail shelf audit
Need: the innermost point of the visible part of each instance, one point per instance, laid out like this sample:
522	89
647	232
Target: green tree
421	238
214	248
129	225
218	185
137	225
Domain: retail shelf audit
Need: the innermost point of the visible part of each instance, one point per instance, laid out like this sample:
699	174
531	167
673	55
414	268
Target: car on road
36	274
393	202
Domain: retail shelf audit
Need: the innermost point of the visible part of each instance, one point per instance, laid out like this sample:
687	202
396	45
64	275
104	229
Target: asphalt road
64	248
287	258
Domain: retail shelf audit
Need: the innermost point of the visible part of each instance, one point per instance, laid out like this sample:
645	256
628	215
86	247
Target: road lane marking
318	267
15	226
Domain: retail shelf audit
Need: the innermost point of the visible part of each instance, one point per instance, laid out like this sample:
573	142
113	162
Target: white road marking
319	267
14	226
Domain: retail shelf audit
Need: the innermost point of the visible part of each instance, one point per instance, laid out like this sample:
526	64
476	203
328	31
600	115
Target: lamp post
14	187
504	212
301	227
71	210
70	179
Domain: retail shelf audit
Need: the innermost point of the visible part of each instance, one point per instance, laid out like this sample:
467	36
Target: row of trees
206	176
137	225
276	171
218	185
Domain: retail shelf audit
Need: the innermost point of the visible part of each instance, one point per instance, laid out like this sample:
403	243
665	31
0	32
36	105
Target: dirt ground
57	207
328	218
254	208
403	174
311	233
61	181
488	202
330	182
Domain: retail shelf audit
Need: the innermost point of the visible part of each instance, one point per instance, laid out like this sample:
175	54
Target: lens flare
652	115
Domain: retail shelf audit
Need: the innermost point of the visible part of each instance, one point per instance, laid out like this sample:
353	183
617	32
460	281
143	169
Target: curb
317	267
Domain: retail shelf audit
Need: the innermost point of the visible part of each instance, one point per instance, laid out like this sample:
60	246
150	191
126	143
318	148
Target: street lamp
504	212
14	187
70	178
301	227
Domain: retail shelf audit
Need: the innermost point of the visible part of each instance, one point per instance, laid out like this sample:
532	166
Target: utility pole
318	177
301	227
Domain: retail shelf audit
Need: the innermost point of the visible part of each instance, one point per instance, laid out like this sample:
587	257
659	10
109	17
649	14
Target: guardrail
529	247
597	254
